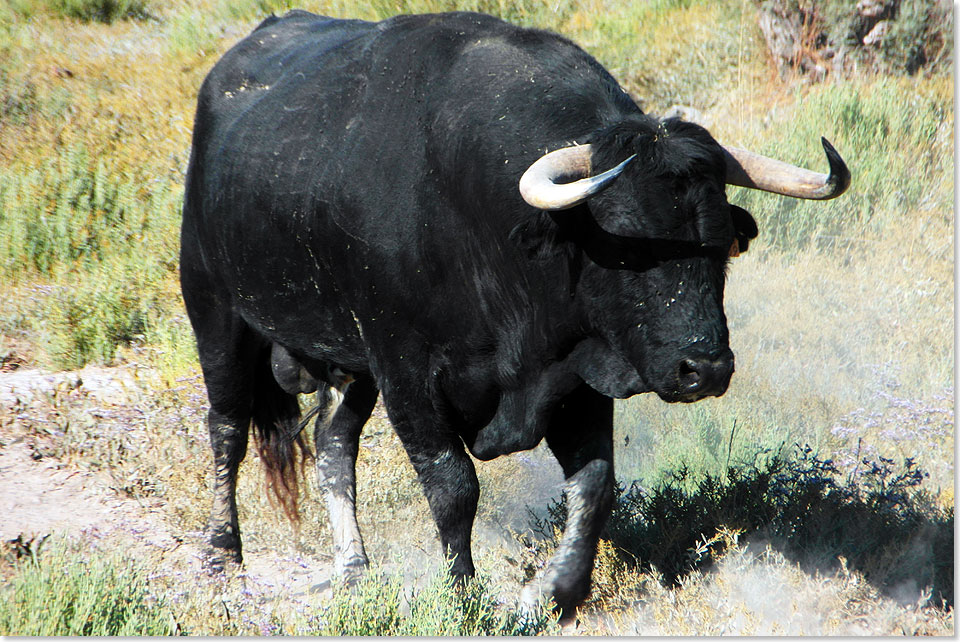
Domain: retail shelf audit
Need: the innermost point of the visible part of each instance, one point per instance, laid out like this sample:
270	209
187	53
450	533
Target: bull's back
289	123
252	85
272	52
355	167
248	219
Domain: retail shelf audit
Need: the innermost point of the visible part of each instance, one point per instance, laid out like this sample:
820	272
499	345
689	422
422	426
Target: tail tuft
282	449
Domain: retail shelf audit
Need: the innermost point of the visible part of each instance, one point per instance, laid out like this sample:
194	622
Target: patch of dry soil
42	495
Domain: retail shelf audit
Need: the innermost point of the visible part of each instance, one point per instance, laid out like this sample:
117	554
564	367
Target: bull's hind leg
227	369
227	352
337	438
228	438
581	438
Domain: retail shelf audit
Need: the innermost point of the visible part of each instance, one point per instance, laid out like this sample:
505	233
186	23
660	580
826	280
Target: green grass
190	32
59	592
107	242
60	588
377	606
657	50
75	213
895	135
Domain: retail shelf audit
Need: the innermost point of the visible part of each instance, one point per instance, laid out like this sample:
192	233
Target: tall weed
191	33
107	243
74	213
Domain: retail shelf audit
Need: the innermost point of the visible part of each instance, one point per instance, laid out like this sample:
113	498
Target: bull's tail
280	442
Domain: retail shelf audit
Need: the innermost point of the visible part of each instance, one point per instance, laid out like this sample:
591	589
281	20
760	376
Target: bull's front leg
581	438
450	483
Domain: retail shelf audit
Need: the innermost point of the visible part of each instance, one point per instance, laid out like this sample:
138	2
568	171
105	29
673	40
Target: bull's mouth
676	397
695	376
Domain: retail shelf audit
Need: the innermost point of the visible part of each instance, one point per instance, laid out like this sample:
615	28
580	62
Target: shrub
895	36
374	606
71	212
880	520
191	33
105	11
919	36
55	592
109	245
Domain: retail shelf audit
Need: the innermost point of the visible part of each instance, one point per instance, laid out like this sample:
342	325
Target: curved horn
539	185
748	169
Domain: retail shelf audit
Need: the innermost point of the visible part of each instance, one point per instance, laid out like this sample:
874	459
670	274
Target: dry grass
754	590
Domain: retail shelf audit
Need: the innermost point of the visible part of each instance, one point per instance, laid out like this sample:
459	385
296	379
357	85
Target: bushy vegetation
105	11
917	35
375	606
879	518
56	590
103	247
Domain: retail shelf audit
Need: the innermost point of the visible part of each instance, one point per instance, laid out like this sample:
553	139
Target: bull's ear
744	227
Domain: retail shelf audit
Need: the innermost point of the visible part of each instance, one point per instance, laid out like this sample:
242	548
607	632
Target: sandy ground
42	495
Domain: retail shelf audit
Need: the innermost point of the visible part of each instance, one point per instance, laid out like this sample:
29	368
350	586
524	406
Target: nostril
689	372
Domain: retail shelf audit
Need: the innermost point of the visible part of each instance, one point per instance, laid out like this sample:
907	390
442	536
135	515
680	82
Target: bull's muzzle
704	375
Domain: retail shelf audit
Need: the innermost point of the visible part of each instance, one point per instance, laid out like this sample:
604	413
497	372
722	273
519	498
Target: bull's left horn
747	169
540	188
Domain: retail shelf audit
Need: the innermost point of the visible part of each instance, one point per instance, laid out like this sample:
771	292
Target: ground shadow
879	519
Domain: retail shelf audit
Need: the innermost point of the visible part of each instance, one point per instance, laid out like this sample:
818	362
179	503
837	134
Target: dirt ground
46	493
43	495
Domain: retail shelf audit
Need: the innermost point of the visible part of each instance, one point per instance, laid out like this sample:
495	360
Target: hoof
569	623
218	559
216	562
532	601
352	570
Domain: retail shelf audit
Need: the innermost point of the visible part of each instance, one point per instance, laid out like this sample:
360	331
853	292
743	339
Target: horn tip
839	179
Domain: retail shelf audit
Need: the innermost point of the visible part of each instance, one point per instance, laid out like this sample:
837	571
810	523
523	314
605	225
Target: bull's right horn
748	169
540	188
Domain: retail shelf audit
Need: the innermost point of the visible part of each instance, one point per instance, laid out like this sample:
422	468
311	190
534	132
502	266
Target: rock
871	8
875	36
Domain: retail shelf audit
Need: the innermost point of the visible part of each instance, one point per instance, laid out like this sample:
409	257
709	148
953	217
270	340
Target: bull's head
656	233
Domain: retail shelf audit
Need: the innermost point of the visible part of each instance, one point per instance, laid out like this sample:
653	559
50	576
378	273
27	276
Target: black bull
369	208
